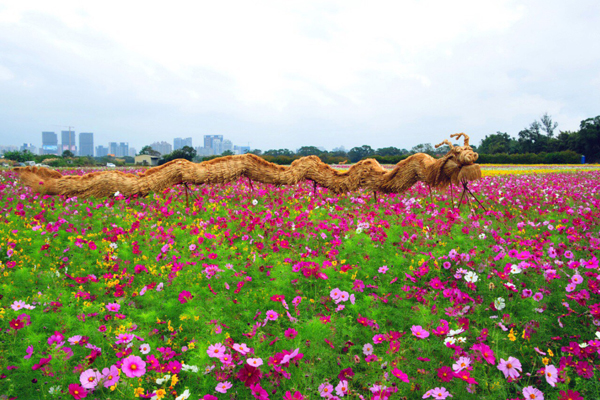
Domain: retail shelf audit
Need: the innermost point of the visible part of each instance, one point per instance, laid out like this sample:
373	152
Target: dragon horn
458	135
446	141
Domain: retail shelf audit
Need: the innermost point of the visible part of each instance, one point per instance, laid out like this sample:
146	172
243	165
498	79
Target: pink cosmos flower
223	387
272	315
290	333
216	350
286	359
531	393
133	367
342	388
185	296
419	332
551	375
18	305
75	340
437	393
538	296
400	375
368	349
325	389
89	378
570	287
383	270
461	363
577	279
343	296
335	293
527	293
110	376
57	338
510	367
77	391
29	352
145	348
114	307
241	348
255	362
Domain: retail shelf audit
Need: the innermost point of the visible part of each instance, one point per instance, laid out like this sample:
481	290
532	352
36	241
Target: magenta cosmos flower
77	391
89	378
400	375
419	332
185	296
133	367
272	315
110	376
114	307
510	367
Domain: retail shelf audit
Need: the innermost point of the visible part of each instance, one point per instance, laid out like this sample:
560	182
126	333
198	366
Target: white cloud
382	72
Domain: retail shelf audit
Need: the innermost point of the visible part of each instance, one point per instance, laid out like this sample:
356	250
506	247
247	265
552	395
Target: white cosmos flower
515	269
254	202
499	303
471	277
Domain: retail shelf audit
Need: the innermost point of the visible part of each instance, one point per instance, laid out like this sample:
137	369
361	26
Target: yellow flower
160	393
550	353
545	360
174	380
191	345
511	335
138	392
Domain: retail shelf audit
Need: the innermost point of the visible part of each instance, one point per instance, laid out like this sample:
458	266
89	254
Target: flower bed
278	293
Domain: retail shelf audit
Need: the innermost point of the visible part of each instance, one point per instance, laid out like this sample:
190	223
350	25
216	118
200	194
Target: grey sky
283	74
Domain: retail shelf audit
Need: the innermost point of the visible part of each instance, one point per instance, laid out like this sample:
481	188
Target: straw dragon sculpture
457	167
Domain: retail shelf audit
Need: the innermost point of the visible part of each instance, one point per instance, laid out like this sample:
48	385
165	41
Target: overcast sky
283	74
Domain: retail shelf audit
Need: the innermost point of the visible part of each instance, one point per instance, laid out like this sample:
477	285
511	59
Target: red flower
16	324
570	395
249	375
445	374
77	391
346	374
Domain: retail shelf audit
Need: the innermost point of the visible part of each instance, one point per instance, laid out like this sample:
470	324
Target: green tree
19	156
68	154
426	148
499	142
186	152
309	151
589	139
389	151
148	151
227	153
358	153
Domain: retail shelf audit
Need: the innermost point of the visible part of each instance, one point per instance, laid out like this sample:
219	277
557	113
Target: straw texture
457	166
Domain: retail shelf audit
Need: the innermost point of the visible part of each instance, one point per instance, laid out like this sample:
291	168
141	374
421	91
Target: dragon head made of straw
458	165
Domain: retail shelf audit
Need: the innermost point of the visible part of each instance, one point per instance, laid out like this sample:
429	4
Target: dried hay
457	166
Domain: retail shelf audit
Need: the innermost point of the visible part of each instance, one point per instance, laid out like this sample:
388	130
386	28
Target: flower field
281	293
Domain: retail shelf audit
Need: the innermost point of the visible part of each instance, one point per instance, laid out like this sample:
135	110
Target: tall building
241	149
68	142
214	142
86	144
112	148
122	150
227	145
101	151
162	147
29	148
49	143
132	152
179	143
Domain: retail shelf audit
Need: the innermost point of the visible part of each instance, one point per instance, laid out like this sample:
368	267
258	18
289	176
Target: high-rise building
212	141
227	145
112	148
68	141
162	147
179	143
101	151
29	148
49	143
132	152
241	149
86	144
122	150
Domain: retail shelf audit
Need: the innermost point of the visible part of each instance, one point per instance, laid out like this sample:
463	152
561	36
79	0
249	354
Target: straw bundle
457	166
